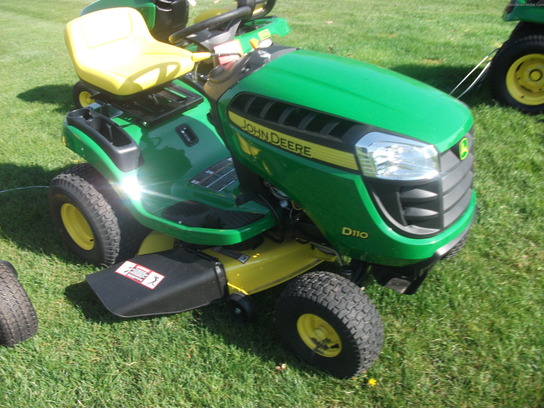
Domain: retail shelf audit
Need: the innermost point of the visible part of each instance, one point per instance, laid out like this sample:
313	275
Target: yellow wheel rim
85	98
525	80
319	335
77	226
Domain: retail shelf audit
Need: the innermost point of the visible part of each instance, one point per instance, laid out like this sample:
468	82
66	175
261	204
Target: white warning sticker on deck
140	274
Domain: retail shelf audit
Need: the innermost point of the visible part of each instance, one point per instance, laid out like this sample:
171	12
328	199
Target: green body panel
332	197
372	95
146	8
165	177
521	10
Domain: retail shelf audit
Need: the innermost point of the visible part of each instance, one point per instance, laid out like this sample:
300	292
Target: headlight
396	158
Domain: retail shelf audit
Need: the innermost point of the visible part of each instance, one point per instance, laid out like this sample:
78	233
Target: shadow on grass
446	79
58	95
258	338
24	211
83	298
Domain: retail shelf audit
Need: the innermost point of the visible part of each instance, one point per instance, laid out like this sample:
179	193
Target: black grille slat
285	115
455	176
453	197
417	195
417	213
453	215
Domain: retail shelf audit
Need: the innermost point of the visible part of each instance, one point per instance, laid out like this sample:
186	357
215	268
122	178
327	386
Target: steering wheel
266	9
245	8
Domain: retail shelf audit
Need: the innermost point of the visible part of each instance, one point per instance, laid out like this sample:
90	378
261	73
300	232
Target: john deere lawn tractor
199	190
516	75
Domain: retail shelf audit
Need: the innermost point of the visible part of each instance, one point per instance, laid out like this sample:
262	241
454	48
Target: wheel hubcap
77	226
525	79
319	335
85	98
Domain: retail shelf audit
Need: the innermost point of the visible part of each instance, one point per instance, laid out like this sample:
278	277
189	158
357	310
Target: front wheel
516	75
330	323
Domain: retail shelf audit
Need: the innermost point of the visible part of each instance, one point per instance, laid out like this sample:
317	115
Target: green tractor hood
364	93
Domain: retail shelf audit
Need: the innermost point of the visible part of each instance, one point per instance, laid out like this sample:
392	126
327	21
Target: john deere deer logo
463	149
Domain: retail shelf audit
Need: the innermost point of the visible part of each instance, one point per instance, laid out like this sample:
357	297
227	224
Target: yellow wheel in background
82	95
85	98
516	74
525	79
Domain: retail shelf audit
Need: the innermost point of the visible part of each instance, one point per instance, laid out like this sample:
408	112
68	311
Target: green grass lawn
471	337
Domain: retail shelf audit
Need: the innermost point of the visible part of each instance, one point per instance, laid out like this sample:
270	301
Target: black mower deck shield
162	283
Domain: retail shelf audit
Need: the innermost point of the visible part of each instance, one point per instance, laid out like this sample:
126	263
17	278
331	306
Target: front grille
427	208
291	118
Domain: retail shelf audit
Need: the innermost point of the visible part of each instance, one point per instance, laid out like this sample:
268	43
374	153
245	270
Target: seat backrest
113	50
107	31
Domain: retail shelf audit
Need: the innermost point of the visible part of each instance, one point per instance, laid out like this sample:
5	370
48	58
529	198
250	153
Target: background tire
516	76
18	320
91	219
331	323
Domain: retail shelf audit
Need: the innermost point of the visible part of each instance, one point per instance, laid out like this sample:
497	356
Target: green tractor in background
516	75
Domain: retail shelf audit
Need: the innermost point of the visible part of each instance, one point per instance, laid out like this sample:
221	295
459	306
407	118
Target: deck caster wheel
241	307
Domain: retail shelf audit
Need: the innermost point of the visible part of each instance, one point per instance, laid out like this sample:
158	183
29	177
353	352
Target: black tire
516	76
524	28
82	95
18	320
91	219
337	311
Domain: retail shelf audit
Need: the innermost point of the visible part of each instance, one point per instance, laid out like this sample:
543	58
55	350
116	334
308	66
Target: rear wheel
331	323
18	320
517	74
91	219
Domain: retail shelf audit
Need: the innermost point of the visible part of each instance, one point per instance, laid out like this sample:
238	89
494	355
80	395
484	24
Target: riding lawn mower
516	69
516	75
214	172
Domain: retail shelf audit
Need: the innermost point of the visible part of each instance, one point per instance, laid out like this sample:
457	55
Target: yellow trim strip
267	265
295	145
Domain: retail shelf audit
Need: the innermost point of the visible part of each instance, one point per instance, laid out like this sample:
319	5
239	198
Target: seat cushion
113	50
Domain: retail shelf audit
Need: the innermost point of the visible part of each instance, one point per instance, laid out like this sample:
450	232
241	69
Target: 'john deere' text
269	136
